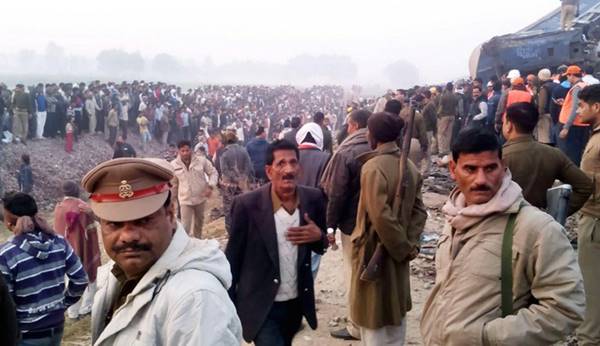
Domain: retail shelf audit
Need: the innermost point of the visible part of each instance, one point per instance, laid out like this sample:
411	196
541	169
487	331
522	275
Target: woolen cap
126	189
385	127
544	74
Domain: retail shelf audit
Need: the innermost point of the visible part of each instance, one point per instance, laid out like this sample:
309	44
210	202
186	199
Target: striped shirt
34	266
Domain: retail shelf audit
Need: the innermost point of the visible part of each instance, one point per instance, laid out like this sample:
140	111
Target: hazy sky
437	36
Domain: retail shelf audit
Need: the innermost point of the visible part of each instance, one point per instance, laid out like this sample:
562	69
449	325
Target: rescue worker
517	93
574	133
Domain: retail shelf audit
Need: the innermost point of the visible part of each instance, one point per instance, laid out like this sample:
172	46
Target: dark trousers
575	142
282	323
112	135
123	125
50	126
229	193
78	113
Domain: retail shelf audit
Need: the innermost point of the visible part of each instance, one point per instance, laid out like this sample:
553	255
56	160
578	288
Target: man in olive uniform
535	166
588	240
21	106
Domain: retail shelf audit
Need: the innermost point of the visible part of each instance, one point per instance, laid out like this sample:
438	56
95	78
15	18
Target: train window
551	51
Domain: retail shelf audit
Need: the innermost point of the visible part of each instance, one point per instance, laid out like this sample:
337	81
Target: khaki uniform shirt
590	164
535	167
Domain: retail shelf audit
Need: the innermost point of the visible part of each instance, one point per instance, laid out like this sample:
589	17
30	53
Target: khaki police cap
128	189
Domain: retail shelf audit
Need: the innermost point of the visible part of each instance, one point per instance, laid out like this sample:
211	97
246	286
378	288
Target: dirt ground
329	287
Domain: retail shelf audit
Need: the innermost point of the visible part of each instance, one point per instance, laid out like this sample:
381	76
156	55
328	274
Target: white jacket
181	300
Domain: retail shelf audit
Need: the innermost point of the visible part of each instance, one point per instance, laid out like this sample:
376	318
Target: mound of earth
52	165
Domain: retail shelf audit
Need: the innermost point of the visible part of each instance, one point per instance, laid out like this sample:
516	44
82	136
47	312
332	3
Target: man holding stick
390	218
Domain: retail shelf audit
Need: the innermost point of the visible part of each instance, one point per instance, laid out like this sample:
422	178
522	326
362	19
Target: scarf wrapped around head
315	131
461	217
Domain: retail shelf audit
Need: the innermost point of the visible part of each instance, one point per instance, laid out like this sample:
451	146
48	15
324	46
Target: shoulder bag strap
506	265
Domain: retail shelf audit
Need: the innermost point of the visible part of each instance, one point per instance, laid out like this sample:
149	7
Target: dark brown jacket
535	167
341	182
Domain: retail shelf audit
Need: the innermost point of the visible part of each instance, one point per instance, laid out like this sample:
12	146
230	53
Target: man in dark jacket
272	236
492	104
313	161
257	149
543	131
123	149
236	170
341	183
8	327
535	166
291	135
319	119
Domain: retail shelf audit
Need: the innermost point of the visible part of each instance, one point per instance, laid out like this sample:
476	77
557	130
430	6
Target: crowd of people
294	168
157	111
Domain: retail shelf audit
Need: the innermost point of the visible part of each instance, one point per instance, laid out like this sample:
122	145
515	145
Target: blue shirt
41	102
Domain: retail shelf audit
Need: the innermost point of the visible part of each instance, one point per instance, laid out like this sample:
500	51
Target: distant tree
26	59
119	62
324	68
167	65
54	58
402	74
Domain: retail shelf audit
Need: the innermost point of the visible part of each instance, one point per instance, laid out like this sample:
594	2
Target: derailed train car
542	44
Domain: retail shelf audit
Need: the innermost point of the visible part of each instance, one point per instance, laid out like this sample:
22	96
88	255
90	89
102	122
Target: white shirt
288	255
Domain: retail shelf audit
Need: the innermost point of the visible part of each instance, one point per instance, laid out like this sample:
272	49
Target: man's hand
308	233
563	133
208	192
498	128
331	239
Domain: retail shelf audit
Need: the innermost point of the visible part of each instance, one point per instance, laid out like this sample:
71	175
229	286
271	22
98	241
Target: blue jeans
281	324
315	262
53	340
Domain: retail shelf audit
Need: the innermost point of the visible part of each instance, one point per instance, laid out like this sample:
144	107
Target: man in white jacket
161	287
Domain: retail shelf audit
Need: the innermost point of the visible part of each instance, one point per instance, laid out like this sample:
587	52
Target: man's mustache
481	188
289	176
131	247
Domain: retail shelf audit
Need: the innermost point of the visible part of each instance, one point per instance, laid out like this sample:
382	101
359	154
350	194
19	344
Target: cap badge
125	190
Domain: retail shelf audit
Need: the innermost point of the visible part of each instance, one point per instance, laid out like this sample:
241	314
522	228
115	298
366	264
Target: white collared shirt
288	255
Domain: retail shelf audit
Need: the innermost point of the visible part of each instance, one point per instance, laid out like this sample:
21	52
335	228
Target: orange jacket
565	112
515	96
